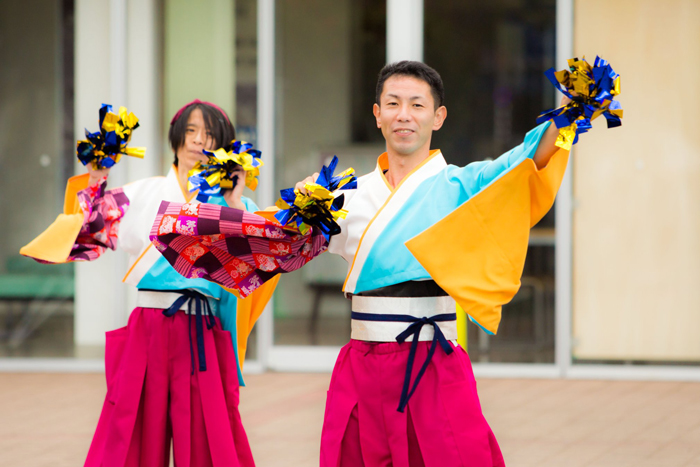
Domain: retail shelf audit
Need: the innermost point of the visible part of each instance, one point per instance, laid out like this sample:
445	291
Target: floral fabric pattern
103	210
234	248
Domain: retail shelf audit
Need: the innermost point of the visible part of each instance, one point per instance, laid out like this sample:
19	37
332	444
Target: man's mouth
403	131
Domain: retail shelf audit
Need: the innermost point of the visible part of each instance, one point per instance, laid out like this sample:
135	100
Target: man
419	236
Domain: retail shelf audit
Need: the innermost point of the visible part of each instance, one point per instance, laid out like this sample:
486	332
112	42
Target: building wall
199	56
119	68
636	221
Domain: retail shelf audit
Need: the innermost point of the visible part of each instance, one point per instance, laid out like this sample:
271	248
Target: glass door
495	88
36	151
326	58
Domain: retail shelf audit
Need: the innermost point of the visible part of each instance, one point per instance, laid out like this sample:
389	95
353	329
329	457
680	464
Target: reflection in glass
328	55
492	56
36	151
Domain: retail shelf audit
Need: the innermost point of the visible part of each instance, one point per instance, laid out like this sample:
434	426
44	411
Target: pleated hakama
442	426
153	396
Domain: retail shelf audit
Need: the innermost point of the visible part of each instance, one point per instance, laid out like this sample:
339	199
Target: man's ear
377	112
440	116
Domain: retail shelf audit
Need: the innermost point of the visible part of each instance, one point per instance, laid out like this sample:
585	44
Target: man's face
407	116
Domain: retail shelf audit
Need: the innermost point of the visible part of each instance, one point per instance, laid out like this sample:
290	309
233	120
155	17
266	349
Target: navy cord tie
202	314
414	330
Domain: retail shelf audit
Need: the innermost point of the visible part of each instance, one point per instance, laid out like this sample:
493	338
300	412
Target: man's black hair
215	122
417	70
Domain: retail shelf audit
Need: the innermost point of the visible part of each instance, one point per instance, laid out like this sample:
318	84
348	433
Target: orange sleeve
477	252
249	310
55	243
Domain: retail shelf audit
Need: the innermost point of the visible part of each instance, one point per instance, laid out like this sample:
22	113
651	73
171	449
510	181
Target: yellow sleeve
249	310
55	243
477	252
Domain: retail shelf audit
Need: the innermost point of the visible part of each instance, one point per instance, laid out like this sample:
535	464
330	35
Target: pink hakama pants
153	396
442	426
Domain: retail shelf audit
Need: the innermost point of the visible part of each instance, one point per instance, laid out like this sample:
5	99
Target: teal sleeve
250	205
228	305
478	175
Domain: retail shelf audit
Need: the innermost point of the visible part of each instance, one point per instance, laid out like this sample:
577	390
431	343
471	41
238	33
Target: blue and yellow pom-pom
320	207
592	90
105	147
219	171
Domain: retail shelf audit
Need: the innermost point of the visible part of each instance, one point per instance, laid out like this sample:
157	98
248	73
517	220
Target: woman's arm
233	196
88	225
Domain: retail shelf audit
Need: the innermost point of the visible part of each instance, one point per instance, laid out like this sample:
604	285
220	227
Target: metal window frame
266	144
563	250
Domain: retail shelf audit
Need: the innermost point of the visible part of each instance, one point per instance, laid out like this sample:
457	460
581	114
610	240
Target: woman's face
197	138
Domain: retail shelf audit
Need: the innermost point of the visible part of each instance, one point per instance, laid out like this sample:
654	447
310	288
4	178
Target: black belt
427	288
202	314
413	330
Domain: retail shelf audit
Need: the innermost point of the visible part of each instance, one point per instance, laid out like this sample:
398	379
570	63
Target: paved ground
47	420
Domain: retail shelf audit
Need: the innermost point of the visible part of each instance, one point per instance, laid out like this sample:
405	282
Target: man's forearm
546	148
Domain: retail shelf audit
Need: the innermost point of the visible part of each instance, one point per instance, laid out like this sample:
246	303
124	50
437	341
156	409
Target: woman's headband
197	101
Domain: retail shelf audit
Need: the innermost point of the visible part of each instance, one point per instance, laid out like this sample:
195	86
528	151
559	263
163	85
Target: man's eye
417	105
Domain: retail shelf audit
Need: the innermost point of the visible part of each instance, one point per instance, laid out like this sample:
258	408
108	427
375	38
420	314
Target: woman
172	372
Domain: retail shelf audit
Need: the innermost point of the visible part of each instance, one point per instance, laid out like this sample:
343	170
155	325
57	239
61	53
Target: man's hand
233	196
96	174
565	100
300	185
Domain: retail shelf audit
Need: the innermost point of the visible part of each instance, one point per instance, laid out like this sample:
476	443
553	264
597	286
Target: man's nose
404	115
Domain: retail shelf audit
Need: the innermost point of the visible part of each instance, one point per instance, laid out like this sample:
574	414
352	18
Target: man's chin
404	150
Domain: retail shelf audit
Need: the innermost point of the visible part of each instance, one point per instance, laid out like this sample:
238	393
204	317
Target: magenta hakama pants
442	425
154	396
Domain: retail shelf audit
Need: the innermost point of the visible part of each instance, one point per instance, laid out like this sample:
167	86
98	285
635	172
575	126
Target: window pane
492	56
328	54
36	152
